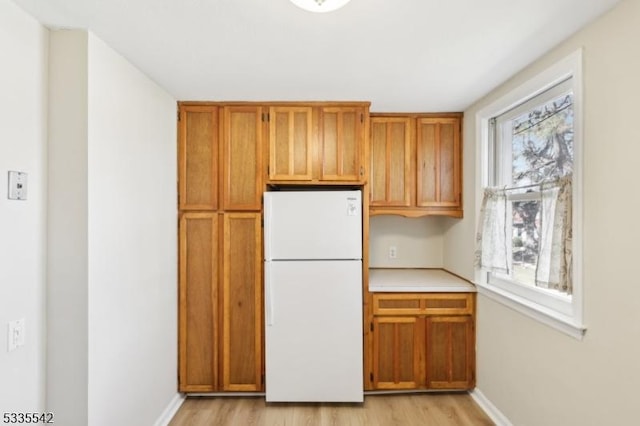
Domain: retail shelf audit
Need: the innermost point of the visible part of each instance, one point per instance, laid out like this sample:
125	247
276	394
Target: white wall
67	339
112	323
132	243
419	242
23	120
532	373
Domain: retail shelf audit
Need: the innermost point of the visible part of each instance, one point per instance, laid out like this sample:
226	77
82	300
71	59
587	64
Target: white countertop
416	280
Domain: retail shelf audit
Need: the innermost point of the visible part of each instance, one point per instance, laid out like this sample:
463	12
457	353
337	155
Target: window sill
533	310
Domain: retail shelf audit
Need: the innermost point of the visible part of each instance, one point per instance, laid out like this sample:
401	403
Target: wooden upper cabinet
242	303
198	302
416	164
342	143
290	143
317	142
438	156
391	171
198	157
242	158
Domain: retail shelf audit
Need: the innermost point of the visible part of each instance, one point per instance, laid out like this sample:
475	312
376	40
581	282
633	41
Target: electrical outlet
393	252
15	334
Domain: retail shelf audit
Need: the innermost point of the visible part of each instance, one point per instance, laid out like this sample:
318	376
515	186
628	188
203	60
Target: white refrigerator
313	296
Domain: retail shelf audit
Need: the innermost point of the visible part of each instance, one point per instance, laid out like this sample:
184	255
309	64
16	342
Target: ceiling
402	55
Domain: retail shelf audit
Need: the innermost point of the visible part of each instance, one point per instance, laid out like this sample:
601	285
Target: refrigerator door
313	331
313	225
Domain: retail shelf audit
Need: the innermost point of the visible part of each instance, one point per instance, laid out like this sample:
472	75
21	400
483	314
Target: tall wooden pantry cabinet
220	259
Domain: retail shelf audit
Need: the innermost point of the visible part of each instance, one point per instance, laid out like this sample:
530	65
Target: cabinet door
290	143
242	177
198	157
450	352
242	303
438	154
342	143
391	172
396	352
198	296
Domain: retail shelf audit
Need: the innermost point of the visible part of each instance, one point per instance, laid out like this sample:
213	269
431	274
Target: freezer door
313	225
313	331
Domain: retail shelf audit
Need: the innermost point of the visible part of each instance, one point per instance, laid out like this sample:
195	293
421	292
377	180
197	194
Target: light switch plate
15	334
17	185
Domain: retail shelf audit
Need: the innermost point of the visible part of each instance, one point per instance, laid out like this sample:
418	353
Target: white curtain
553	266
553	269
491	239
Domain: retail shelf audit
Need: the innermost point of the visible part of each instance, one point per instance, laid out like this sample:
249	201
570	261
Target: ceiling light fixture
320	6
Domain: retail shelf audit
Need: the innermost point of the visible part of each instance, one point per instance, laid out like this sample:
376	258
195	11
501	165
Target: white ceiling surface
402	55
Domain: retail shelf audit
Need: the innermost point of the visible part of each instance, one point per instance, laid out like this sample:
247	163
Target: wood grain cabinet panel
242	158
396	353
198	302
391	171
342	143
423	303
450	358
438	156
242	307
290	143
198	157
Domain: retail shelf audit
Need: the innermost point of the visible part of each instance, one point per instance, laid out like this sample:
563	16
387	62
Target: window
528	252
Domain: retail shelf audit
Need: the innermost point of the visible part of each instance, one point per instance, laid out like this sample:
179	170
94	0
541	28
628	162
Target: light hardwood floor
433	409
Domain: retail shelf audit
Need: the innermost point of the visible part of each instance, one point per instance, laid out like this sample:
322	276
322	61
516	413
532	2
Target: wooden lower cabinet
414	347
450	352
220	302
242	303
397	345
198	302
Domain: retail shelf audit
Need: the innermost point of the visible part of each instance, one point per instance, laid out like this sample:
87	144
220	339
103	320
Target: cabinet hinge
361	118
371	326
371	376
178	114
265	116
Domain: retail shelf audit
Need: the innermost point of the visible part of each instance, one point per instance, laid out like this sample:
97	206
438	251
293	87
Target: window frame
564	313
501	174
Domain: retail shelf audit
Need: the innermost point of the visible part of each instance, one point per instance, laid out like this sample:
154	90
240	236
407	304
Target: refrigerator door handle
268	253
268	294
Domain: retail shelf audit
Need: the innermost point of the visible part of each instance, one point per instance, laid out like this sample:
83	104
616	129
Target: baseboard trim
170	410
488	407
